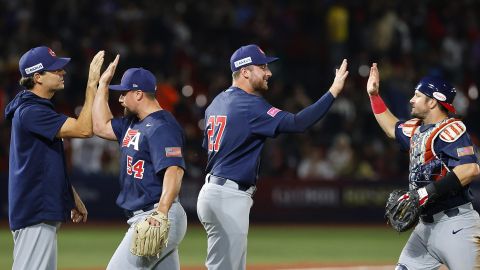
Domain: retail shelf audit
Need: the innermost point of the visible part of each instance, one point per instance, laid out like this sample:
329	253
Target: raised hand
373	82
339	81
95	67
107	75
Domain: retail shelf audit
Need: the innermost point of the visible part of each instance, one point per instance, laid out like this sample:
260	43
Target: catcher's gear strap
451	126
409	126
452	131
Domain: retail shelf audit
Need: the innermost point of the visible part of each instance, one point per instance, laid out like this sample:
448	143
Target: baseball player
442	165
40	195
151	165
237	122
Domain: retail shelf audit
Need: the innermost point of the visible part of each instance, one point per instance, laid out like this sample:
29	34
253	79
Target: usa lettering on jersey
132	137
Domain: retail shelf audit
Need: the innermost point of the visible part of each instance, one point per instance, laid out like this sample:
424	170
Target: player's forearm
101	113
384	117
84	120
308	116
467	172
451	183
387	122
172	182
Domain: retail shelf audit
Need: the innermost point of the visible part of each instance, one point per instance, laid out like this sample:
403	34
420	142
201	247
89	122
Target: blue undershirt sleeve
307	117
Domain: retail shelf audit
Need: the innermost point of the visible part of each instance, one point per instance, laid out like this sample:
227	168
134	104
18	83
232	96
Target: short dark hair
29	82
442	108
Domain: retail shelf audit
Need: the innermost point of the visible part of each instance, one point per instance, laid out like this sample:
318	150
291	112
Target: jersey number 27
215	127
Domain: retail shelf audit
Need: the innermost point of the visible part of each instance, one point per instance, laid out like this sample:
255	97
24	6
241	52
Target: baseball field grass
90	247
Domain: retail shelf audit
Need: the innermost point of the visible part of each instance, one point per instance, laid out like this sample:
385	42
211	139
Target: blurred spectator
189	43
94	155
315	165
340	155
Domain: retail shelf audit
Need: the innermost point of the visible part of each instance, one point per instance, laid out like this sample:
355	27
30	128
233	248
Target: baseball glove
402	210
149	240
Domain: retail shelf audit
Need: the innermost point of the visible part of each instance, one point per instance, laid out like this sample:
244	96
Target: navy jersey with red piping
236	126
434	150
148	147
38	186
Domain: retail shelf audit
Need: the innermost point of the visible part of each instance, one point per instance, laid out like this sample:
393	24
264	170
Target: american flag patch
465	151
273	111
173	151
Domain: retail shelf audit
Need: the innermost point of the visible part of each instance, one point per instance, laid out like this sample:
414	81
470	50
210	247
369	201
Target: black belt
450	213
130	214
221	181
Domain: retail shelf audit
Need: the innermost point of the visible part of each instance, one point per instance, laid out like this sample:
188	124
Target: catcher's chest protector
425	164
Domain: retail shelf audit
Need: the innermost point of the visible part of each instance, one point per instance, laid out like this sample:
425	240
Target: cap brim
60	63
448	106
271	59
118	87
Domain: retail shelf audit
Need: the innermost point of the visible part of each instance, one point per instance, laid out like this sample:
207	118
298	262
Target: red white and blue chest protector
435	150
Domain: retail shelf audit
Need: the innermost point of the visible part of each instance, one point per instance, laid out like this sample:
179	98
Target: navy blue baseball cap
136	79
439	89
40	59
249	55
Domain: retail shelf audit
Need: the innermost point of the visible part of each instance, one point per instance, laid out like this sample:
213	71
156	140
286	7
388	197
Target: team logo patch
243	61
51	52
273	111
439	96
34	68
465	151
261	50
132	137
173	151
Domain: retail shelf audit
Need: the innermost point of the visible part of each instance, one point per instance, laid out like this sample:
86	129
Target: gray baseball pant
224	213
123	259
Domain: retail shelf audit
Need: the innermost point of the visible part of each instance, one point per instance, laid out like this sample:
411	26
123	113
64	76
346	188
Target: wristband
446	185
378	106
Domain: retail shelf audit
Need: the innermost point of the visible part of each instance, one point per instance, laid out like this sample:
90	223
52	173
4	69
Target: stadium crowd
188	45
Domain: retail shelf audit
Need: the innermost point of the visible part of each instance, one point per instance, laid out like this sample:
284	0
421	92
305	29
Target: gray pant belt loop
210	178
447	213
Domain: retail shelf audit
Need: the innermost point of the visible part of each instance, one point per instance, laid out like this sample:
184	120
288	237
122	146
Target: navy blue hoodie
38	186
